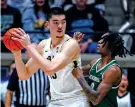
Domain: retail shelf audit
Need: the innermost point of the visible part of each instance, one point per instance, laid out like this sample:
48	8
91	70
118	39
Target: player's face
103	49
123	84
3	2
81	2
40	2
57	25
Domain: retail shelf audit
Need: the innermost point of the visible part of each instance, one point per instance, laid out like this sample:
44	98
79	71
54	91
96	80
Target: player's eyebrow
104	36
58	20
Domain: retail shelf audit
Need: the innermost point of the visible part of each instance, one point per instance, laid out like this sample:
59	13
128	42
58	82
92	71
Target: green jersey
96	77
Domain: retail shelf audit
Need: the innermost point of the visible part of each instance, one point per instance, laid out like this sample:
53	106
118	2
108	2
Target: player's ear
47	24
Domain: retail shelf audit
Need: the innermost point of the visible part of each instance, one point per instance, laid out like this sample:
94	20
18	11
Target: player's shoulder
43	42
70	40
115	68
93	61
71	44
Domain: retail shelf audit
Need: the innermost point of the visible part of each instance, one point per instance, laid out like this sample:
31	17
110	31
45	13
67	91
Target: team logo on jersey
57	49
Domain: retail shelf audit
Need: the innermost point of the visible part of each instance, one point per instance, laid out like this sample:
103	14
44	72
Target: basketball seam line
14	42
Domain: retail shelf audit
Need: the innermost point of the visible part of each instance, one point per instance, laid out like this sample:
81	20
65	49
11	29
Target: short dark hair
55	11
115	44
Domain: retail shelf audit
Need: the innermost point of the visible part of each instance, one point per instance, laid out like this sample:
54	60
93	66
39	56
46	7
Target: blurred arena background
108	15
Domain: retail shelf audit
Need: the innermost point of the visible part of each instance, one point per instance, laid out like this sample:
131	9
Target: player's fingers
15	34
77	35
19	32
81	36
74	34
28	36
22	30
17	39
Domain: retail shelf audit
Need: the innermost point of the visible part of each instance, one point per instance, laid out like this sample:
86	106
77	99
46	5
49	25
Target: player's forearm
8	99
44	64
91	94
20	67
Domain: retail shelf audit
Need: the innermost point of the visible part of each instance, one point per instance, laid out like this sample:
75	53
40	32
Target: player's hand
78	36
22	37
77	72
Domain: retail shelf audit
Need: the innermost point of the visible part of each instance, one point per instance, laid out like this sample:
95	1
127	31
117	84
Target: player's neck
56	41
80	7
106	59
121	93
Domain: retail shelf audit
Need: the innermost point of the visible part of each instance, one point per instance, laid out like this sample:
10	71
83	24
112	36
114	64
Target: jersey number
92	85
53	76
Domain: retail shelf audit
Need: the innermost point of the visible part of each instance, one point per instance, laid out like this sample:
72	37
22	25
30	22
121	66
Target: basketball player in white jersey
57	57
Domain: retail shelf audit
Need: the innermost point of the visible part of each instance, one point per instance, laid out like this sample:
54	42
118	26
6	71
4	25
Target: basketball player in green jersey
104	73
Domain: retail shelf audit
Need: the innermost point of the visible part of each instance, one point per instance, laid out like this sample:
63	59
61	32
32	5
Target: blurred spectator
125	98
87	19
21	5
129	27
34	20
12	67
99	4
4	80
67	4
33	92
10	18
56	3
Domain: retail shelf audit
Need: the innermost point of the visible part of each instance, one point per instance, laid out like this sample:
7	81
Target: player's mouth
123	86
98	47
59	31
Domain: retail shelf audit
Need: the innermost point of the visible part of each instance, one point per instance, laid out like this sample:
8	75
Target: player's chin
60	35
98	51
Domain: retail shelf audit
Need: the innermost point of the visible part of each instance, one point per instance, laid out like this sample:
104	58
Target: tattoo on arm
91	94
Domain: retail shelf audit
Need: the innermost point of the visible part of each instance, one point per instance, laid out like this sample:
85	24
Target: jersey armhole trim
114	86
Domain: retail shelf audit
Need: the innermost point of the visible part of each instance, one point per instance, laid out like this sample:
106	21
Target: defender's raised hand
78	36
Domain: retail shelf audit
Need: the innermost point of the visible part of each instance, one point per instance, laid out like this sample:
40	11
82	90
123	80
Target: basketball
10	43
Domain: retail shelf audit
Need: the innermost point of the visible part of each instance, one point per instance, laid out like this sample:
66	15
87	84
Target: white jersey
62	83
124	101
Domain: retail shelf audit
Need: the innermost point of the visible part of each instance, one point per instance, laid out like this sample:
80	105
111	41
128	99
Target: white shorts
70	102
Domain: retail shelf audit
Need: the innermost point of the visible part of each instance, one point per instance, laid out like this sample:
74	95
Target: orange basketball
10	43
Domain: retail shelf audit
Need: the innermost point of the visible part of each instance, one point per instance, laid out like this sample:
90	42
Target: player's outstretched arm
70	50
111	77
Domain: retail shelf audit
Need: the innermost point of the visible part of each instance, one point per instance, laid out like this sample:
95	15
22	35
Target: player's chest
50	53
